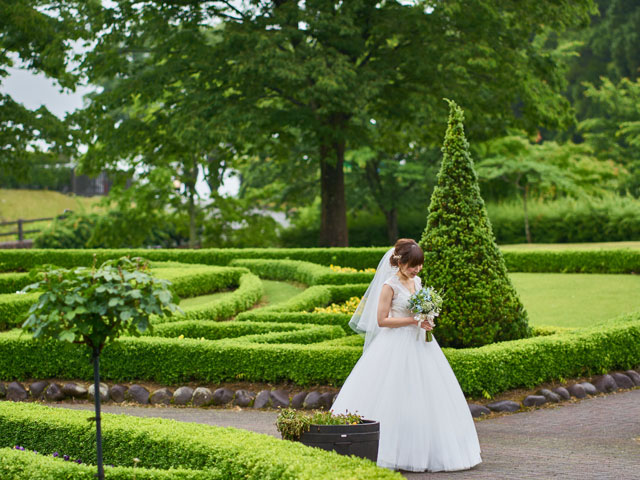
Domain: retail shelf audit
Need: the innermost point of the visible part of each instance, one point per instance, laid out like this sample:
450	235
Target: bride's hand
426	326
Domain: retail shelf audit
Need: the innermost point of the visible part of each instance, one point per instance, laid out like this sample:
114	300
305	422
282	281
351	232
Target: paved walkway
596	438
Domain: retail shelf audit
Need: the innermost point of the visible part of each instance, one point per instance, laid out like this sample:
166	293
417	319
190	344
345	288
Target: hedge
12	282
27	465
249	332
481	371
317	296
574	261
13	307
172	361
528	362
359	258
596	261
199	280
250	290
259	316
164	444
300	271
213	330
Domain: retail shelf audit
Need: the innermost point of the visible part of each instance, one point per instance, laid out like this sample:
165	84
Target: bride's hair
407	252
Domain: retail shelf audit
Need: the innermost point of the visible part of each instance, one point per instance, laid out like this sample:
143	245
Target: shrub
13	307
568	221
26	465
597	261
250	290
300	271
166	444
12	282
257	316
461	257
486	370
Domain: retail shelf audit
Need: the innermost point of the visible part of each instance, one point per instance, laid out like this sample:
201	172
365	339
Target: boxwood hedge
596	261
481	371
165	444
300	271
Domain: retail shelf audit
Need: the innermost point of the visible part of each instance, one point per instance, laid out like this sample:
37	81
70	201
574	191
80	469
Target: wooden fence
20	232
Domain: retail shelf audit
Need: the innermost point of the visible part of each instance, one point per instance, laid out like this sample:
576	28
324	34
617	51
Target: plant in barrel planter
345	434
94	306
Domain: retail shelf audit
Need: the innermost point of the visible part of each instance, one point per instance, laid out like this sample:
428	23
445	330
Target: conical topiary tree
481	306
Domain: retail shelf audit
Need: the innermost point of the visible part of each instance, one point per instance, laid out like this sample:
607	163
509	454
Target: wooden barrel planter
360	440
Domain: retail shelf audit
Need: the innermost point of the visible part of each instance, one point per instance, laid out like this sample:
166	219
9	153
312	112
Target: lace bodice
400	302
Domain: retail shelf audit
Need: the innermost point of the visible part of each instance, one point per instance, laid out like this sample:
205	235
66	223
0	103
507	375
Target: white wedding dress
408	386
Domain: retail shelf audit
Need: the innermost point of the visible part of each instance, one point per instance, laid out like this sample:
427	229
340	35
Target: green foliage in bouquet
461	256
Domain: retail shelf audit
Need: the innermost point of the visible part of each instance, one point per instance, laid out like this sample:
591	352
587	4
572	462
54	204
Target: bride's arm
384	306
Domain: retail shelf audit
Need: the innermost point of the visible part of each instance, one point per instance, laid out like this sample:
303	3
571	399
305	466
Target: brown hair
407	252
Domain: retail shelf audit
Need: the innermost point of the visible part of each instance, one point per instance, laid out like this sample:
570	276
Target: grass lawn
528	247
274	292
576	300
27	204
194	302
277	292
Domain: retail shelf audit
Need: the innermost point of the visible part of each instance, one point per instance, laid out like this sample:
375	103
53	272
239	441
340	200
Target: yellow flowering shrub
347	307
339	269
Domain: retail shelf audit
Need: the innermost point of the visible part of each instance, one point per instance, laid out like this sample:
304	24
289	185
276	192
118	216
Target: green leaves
461	255
95	306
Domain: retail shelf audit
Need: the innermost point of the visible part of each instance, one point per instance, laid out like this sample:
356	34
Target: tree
461	257
93	307
614	133
313	74
36	35
545	168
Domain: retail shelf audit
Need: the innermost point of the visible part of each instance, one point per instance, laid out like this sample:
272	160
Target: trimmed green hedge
12	282
529	362
20	260
596	261
26	465
258	316
248	293
317	296
249	332
487	370
300	271
574	261
199	280
13	307
213	330
164	444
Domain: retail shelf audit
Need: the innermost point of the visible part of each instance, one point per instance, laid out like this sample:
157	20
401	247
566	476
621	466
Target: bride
404	382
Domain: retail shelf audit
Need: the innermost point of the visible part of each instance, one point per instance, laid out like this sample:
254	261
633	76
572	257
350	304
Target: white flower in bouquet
426	303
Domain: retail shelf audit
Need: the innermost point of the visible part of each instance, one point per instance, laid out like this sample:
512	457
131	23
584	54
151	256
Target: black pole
96	396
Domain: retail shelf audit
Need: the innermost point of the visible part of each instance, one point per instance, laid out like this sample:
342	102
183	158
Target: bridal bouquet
427	303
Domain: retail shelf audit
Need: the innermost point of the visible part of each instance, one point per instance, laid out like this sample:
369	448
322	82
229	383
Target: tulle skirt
409	387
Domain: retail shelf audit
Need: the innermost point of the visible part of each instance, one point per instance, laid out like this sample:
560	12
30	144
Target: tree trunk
192	220
333	229
527	233
96	396
392	225
190	185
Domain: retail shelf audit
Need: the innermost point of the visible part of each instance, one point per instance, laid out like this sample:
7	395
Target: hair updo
407	252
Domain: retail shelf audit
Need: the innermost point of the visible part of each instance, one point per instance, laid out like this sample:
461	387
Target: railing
21	231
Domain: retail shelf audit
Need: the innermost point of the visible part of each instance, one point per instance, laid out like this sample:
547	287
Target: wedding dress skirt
408	386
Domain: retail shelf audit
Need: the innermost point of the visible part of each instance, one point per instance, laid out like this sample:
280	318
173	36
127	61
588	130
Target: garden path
596	438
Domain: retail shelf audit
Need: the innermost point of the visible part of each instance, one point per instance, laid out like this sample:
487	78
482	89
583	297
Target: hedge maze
227	339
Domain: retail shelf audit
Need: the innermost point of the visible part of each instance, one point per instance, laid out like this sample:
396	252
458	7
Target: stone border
282	398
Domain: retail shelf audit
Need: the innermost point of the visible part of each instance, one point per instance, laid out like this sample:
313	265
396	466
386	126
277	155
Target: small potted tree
94	306
348	434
